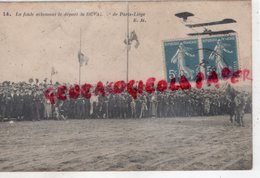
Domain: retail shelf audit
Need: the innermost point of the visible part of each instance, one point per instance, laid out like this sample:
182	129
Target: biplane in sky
185	15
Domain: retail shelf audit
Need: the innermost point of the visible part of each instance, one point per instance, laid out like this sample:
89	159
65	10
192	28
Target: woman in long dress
217	54
179	58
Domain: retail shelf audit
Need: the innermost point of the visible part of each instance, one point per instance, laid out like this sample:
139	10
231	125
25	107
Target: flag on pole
53	71
83	60
132	37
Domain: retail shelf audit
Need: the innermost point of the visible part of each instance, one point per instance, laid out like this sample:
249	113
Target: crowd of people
26	101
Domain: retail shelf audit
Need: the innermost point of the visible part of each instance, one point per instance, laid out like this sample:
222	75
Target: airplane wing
224	21
212	33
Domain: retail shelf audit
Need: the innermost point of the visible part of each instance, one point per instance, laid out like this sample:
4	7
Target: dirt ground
198	143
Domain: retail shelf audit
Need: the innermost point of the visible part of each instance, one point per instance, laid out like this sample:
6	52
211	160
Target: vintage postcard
126	86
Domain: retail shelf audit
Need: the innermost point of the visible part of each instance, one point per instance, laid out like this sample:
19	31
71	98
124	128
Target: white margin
254	173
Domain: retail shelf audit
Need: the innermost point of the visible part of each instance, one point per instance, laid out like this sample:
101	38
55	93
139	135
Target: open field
198	143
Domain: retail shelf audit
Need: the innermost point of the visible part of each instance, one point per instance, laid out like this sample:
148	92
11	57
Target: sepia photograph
126	86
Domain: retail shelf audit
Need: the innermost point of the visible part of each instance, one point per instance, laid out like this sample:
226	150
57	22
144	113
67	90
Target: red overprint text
150	86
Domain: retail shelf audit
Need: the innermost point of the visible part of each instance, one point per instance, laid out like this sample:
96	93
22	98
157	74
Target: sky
30	46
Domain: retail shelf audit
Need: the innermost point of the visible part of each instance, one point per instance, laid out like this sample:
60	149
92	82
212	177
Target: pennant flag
83	60
53	71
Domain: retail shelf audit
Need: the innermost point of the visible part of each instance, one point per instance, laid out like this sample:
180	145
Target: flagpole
51	74
127	46
80	53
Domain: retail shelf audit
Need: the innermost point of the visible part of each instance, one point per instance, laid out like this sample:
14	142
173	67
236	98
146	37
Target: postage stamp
181	58
220	52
